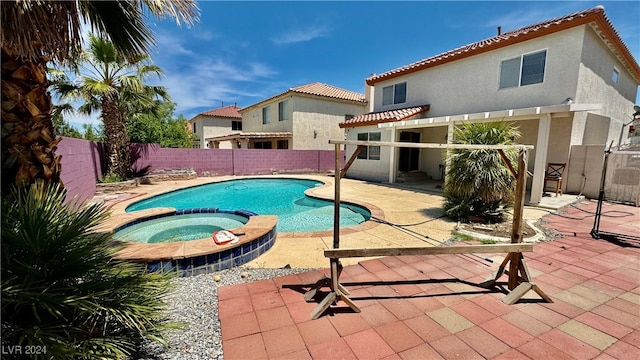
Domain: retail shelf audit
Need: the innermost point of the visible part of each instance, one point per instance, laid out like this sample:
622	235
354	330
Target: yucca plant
478	182
61	288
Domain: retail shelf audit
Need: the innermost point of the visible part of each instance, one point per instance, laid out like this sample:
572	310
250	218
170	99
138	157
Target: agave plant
478	182
61	288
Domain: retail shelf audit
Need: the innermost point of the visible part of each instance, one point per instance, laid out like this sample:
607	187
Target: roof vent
499	30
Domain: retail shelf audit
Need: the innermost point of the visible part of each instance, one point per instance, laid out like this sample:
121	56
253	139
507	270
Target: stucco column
450	129
392	156
540	161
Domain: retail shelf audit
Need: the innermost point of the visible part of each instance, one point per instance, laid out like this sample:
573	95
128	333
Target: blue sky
243	52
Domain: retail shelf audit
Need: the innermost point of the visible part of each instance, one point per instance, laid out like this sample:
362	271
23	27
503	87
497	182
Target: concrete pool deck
403	205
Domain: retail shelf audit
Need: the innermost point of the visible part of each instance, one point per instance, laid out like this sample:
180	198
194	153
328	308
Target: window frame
521	62
615	75
236	125
392	97
369	152
266	118
283	110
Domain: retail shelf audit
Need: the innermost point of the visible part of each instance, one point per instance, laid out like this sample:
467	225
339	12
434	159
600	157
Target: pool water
183	227
282	197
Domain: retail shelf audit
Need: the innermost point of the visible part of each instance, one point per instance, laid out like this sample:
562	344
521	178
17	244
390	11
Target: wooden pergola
513	265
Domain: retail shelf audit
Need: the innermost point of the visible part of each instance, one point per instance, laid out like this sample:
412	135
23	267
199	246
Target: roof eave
597	17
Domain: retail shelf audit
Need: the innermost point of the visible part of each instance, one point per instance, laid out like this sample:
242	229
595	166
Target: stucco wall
207	126
596	86
312	116
471	85
305	114
370	170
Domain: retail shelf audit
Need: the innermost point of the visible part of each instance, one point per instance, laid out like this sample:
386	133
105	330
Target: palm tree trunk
116	139
28	138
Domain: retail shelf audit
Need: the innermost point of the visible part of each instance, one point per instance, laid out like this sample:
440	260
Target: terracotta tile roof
232	111
384	116
595	16
318	89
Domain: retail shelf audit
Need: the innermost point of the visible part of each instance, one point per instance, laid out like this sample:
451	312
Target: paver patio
427	307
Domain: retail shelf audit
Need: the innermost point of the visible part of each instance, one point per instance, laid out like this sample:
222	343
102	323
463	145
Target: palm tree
116	86
36	32
478	181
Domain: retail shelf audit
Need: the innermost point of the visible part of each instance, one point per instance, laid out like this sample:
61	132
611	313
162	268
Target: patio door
409	158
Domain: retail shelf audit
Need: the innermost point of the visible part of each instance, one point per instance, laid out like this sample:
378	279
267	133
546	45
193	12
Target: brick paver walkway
428	307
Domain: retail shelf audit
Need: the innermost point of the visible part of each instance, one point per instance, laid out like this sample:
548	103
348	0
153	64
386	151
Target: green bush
478	182
61	288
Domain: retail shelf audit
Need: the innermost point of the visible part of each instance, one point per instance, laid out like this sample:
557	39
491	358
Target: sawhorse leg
338	292
519	279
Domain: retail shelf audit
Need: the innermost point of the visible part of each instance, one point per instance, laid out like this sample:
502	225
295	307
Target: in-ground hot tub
182	241
179	227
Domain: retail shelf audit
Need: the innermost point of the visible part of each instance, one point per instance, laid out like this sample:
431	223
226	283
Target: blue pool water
183	227
282	197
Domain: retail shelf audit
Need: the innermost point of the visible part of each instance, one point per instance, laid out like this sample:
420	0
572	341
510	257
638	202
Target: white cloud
302	35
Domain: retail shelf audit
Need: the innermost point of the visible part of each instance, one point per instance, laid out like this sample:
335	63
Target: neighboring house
564	82
216	122
301	118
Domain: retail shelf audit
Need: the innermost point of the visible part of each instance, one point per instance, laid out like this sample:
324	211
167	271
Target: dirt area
502	229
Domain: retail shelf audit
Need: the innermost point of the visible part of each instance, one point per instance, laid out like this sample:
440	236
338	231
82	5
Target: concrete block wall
205	162
82	166
83	162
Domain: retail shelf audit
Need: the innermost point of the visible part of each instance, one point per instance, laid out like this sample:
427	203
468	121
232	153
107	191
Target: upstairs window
394	94
524	70
283	110
236	125
615	76
265	115
369	152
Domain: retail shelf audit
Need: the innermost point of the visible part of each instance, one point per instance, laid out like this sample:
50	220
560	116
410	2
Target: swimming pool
283	197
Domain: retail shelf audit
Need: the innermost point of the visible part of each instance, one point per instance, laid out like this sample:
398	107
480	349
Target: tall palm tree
478	181
115	86
36	32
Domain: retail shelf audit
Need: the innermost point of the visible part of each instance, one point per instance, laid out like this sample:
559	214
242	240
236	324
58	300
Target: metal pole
336	200
595	232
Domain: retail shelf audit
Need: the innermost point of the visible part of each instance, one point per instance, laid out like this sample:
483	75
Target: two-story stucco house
564	82
301	118
213	123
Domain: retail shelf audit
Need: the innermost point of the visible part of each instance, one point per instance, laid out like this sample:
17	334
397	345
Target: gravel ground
194	303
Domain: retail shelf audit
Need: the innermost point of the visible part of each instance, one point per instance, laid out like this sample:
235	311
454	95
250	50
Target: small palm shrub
61	288
478	182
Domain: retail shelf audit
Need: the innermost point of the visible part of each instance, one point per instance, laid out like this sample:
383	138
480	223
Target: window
236	125
369	152
265	115
394	94
525	70
348	117
283	144
615	75
262	145
194	127
283	110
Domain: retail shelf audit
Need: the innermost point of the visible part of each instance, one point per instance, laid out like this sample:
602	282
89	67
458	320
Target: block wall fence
84	162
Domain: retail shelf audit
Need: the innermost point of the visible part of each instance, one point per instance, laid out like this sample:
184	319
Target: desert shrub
478	182
61	288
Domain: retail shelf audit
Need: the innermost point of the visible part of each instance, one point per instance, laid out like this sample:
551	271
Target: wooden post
518	210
